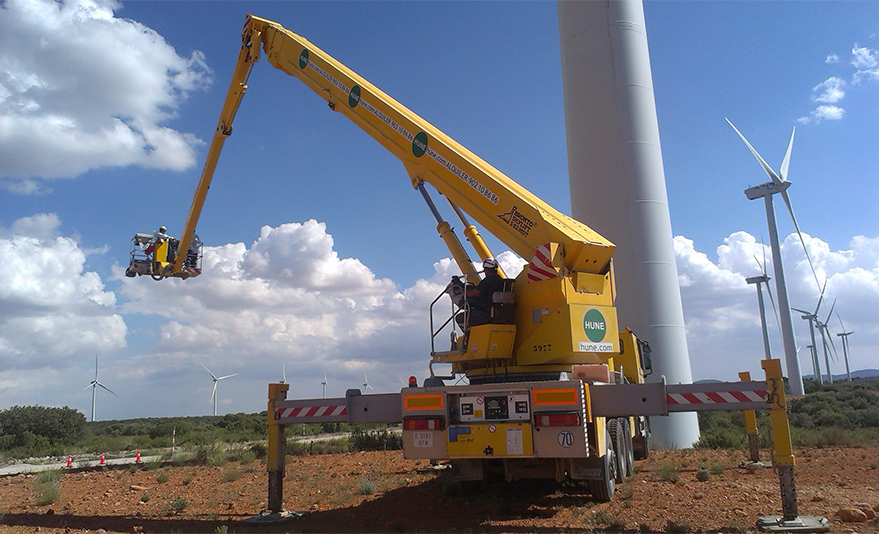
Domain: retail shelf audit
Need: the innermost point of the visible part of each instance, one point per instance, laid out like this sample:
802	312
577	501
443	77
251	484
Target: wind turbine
94	385
216	379
763	279
779	184
324	385
283	373
844	335
812	317
366	386
825	334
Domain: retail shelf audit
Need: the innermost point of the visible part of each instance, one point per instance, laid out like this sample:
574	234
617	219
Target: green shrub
162	477
48	487
179	504
667	472
367	487
376	440
210	454
231	475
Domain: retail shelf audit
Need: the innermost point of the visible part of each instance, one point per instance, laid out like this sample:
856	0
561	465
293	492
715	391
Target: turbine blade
842	326
96	366
790	209
831	312
785	163
108	389
833	346
209	371
821	296
88	386
227	376
774	309
801	311
760	159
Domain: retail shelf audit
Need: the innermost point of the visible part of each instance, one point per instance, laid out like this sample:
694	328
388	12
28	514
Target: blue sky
323	258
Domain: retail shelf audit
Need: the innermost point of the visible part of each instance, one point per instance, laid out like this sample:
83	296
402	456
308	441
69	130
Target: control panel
498	407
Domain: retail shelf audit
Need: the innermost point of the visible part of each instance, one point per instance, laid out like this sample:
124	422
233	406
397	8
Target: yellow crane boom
507	210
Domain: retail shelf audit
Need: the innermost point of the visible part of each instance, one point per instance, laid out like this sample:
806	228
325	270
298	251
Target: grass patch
162	477
231	475
48	487
366	486
668	472
178	505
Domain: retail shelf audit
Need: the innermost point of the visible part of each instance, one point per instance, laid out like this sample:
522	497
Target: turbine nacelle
763	190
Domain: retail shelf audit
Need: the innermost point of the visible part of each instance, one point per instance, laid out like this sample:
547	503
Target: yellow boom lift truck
556	389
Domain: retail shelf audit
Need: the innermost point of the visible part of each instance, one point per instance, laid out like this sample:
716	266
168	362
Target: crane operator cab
154	255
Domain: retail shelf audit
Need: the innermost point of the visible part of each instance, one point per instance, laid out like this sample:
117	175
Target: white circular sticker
566	438
492	428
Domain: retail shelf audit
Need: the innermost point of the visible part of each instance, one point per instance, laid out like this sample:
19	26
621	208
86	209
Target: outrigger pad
267	517
802	523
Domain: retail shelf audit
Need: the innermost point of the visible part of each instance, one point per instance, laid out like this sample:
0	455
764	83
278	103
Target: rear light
557	419
424	423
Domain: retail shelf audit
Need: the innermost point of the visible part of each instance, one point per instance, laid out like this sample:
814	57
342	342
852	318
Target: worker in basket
479	297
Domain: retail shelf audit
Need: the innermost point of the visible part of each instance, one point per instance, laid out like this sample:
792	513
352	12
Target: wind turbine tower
762	279
94	385
779	185
324	385
825	335
217	379
844	335
617	181
812	317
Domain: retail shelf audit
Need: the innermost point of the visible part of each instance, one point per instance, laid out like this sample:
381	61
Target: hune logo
594	325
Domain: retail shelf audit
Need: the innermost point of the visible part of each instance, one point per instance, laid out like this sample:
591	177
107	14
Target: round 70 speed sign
566	438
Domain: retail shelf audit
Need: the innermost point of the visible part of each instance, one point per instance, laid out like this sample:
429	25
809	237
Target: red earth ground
382	492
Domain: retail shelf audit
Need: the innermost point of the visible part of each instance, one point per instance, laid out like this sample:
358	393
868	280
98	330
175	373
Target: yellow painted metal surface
781	440
486	440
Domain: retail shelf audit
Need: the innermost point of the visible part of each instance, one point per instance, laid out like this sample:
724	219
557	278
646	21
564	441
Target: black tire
602	490
629	457
641	443
617	438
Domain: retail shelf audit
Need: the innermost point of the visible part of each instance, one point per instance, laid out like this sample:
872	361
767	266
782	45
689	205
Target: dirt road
381	492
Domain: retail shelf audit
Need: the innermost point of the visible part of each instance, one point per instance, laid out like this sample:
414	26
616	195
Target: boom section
506	209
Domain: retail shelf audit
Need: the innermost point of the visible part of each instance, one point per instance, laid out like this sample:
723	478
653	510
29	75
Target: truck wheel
602	490
617	438
629	457
642	447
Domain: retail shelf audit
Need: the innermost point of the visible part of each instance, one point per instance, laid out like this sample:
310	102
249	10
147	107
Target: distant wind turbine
812	317
216	379
825	335
763	279
94	385
779	184
324	386
283	373
366	386
844	335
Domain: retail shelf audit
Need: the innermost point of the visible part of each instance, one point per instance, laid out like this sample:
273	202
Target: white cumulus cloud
830	91
52	311
721	312
82	89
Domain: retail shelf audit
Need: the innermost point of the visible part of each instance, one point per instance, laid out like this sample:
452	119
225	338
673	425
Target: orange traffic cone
103	462
69	461
137	460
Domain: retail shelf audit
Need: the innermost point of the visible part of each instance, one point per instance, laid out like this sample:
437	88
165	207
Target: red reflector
557	419
424	423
